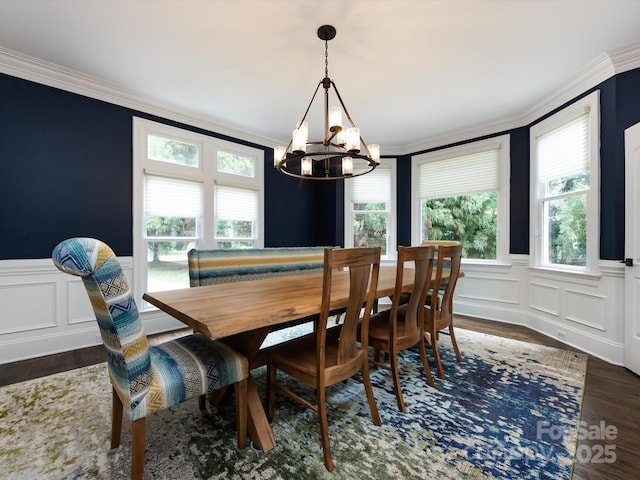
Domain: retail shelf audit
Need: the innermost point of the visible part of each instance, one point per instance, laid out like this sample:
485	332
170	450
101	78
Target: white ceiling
407	70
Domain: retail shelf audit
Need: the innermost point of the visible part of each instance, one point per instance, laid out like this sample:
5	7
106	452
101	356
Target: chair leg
393	360
271	390
116	419
366	379
202	402
436	354
137	449
324	429
425	362
454	343
241	412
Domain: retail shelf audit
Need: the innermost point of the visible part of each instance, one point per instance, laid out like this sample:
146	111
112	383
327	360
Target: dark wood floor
612	396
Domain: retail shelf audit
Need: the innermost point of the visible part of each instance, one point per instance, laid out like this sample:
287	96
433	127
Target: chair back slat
449	257
363	265
448	260
422	258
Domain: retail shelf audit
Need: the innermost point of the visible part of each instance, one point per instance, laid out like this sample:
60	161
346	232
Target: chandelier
339	154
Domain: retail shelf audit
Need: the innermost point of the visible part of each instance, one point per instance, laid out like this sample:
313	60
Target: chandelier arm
346	112
343	105
310	103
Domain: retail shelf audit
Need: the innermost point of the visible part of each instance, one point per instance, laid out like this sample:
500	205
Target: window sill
584	274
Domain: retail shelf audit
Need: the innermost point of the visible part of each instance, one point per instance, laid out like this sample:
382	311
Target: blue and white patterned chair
146	378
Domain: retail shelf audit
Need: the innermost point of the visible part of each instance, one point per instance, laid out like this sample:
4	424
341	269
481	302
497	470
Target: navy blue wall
403	198
66	170
627	105
519	190
293	214
611	175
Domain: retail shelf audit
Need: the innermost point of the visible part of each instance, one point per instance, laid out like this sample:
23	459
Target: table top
226	309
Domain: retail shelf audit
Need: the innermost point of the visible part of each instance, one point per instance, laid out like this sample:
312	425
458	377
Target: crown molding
597	71
626	58
600	69
46	73
487	129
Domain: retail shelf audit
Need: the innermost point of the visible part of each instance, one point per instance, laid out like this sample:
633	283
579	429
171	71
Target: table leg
259	428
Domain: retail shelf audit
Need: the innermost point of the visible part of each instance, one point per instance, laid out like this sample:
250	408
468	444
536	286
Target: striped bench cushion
213	266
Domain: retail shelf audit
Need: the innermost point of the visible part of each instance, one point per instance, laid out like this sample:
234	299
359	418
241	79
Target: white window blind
564	152
375	186
463	175
236	203
169	197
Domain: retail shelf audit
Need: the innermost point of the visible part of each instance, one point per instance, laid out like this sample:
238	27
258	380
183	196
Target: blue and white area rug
511	410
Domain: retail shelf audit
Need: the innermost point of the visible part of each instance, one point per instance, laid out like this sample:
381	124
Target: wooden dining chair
401	327
146	379
439	305
330	356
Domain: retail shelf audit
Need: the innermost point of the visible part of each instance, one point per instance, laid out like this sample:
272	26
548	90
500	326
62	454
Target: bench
215	266
221	265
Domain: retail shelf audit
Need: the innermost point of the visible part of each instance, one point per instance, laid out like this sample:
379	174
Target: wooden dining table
243	313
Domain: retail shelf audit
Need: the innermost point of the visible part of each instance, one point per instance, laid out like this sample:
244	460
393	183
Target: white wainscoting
584	312
44	311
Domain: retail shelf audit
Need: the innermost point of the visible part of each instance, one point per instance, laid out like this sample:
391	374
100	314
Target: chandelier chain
326	58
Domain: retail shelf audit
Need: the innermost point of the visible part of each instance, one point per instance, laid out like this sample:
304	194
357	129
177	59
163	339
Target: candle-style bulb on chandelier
342	153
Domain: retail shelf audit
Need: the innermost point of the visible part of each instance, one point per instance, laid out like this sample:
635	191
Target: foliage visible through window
370	225
172	151
368	202
563	177
173	209
236	217
234	229
166	260
470	219
461	197
236	164
167	265
567	220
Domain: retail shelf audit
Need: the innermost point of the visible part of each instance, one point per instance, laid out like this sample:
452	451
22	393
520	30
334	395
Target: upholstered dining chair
439	305
401	327
146	379
329	356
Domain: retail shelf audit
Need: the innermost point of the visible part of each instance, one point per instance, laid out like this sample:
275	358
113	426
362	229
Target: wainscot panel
27	305
585	312
45	311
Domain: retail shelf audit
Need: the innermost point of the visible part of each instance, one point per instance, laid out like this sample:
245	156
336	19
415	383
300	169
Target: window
190	191
236	217
564	187
370	209
462	193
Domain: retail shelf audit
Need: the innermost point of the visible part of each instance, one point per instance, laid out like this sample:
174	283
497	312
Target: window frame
390	164
502	144
206	173
538	239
